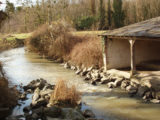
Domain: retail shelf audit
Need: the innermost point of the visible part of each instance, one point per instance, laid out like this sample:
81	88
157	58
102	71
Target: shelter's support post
104	52
132	53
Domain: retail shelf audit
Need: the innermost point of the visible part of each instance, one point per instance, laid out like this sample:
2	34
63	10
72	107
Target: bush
88	52
8	96
84	23
58	43
64	95
54	41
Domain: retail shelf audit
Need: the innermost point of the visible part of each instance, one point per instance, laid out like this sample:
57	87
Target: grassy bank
61	43
8	41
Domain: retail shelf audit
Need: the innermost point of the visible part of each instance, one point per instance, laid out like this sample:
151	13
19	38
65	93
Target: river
23	67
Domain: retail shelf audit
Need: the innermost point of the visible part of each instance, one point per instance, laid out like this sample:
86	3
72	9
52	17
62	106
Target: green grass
14	36
79	33
26	35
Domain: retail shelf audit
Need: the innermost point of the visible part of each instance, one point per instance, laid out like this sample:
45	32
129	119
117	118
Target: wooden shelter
147	32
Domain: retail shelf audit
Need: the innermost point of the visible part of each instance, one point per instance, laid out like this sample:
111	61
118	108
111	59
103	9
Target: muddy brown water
23	67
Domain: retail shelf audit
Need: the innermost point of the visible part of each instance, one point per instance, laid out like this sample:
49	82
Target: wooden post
104	53
132	53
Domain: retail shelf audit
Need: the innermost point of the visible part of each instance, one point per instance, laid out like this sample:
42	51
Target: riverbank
84	54
9	41
9	98
141	85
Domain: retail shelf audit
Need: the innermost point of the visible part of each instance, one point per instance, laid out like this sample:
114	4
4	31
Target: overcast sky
16	3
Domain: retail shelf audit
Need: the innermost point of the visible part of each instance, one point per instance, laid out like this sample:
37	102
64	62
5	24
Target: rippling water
23	67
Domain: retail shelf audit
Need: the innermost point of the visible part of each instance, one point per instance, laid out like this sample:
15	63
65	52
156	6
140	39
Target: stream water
23	67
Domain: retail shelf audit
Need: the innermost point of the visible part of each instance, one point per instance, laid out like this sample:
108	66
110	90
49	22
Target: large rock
142	90
54	112
119	73
84	72
88	114
78	71
43	93
111	85
118	81
34	84
35	96
67	66
131	89
155	101
124	84
105	80
71	114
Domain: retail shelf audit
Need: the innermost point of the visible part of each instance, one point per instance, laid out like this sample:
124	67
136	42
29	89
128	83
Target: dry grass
88	52
64	95
8	96
59	42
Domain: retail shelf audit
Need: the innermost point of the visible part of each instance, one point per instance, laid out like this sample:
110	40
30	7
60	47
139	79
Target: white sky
16	3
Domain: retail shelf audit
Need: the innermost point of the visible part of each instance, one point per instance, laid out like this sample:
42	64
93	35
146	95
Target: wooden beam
132	53
104	53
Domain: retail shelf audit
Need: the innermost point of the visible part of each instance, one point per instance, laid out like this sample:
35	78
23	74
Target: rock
118	81
73	68
39	103
105	80
23	96
66	65
93	83
155	101
97	80
35	116
148	95
131	89
26	109
90	68
28	116
87	78
119	73
45	92
124	84
35	96
84	72
95	74
158	95
29	91
78	71
111	85
40	84
53	111
142	90
88	114
71	114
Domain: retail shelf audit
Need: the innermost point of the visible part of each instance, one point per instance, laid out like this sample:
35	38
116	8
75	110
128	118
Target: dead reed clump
8	97
88	52
35	41
54	41
65	96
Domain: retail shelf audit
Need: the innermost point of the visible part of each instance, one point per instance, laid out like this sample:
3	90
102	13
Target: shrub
58	43
85	22
8	96
88	52
64	95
